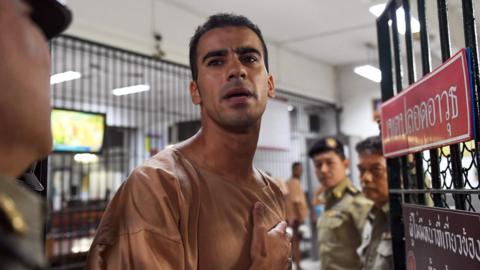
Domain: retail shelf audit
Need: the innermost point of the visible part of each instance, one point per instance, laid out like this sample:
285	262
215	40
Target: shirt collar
338	191
383	210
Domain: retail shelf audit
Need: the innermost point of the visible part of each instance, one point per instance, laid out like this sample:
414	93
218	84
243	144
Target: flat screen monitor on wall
77	131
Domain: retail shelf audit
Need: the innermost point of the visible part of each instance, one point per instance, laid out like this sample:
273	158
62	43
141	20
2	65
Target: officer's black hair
217	21
319	147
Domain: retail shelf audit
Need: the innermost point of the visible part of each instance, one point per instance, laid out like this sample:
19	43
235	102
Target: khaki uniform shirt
340	227
295	201
172	214
21	227
376	248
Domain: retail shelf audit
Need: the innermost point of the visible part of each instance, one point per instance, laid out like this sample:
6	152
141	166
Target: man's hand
269	250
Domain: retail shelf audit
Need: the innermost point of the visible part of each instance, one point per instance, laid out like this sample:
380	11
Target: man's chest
225	224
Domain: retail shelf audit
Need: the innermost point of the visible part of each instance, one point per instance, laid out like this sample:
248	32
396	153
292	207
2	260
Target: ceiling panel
331	31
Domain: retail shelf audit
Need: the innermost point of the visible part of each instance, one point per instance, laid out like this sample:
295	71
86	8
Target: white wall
130	25
356	96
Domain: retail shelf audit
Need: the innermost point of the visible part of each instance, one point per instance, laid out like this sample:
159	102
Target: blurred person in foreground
340	226
297	209
202	204
25	134
376	248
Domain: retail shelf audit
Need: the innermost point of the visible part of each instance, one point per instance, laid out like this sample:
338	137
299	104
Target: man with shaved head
202	204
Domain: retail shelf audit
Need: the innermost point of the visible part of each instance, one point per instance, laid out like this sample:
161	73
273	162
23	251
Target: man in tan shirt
297	209
340	225
202	204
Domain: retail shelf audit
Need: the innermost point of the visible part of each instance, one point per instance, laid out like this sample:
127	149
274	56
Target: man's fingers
259	241
258	214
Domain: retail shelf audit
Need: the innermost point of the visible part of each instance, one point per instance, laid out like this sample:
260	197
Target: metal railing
444	177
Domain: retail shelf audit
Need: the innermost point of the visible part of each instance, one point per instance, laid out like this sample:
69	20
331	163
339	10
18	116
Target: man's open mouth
240	92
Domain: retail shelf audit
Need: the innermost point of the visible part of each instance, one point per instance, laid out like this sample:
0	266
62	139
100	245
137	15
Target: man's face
233	84
24	82
330	168
373	176
297	171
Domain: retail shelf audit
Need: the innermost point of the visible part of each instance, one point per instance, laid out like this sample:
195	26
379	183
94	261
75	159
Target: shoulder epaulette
353	190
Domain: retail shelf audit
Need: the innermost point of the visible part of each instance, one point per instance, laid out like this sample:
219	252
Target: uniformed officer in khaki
341	224
24	123
376	248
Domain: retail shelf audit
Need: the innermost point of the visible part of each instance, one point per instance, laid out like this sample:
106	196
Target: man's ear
271	86
195	93
346	163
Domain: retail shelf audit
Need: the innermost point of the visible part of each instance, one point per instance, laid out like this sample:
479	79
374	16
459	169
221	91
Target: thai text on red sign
435	111
437	238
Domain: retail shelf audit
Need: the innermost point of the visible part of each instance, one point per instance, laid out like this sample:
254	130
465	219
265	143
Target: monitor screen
77	131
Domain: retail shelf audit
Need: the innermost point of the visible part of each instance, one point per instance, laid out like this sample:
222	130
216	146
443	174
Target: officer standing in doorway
25	134
340	225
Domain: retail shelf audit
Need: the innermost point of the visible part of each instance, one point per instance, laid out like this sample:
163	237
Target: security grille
445	177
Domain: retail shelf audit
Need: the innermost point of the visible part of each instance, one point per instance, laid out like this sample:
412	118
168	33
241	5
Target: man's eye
377	171
215	62
249	59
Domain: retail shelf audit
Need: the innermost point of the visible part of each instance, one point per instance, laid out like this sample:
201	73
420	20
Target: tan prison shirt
296	203
172	214
340	227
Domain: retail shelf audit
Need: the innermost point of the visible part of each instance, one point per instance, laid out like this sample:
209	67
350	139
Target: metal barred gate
445	177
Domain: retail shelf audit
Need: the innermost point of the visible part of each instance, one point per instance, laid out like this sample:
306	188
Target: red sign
437	238
435	111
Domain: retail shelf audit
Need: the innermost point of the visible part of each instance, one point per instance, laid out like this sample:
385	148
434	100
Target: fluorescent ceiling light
65	76
369	72
131	89
85	158
378	9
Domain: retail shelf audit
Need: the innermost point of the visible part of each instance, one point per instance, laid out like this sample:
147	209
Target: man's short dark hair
295	164
217	21
371	145
327	144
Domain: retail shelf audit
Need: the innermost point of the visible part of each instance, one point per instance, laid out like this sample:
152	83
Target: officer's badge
331	143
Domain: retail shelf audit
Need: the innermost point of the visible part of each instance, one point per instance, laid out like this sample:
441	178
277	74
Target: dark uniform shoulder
359	202
21	227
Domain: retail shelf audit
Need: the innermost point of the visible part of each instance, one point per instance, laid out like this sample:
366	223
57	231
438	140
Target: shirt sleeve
140	227
142	250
